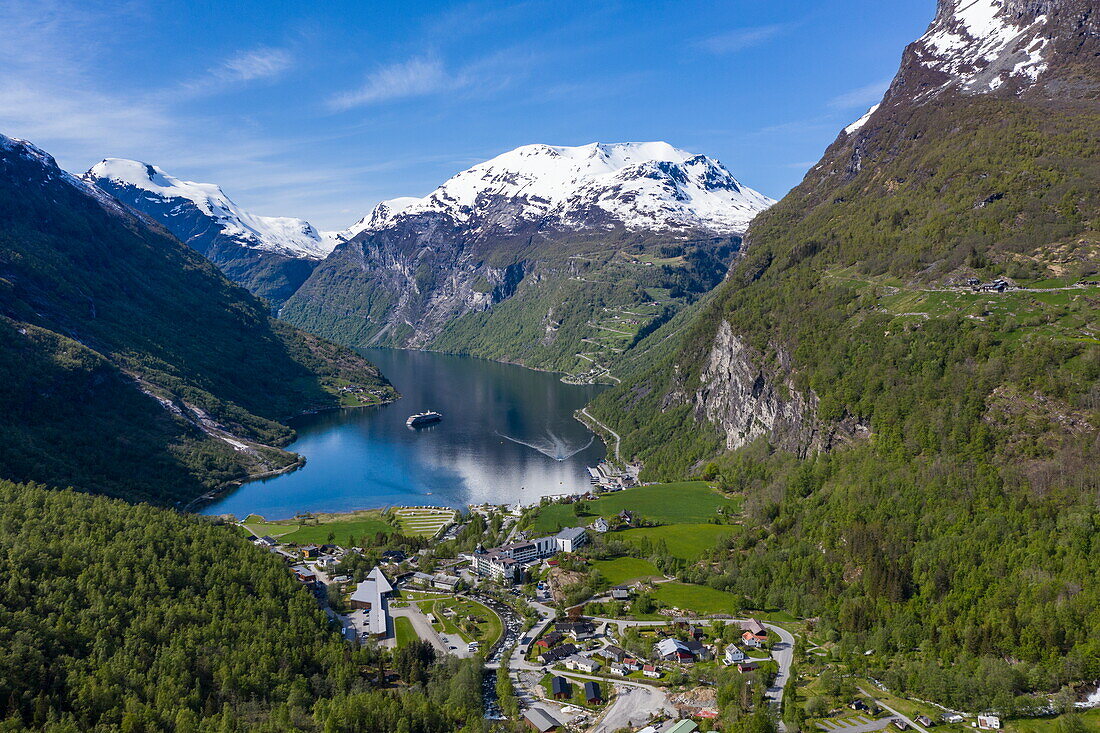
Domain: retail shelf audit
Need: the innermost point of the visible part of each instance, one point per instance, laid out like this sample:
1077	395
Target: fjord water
508	436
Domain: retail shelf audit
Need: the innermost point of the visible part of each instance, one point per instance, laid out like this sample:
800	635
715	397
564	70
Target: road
884	706
584	411
423	629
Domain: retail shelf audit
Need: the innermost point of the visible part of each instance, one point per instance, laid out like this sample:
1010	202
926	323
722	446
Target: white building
370	595
505	563
989	721
733	655
570	539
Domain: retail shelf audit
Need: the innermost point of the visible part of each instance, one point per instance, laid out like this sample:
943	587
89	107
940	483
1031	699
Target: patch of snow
969	37
280	234
862	120
645	185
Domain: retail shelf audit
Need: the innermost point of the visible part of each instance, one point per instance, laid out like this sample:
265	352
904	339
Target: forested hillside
153	376
918	456
115	617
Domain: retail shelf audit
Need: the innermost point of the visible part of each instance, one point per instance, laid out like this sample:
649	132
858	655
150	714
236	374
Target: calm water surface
507	436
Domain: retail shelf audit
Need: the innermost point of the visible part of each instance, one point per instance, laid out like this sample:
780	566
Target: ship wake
554	447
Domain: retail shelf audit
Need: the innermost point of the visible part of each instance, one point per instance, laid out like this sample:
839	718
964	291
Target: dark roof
559	686
541	720
592	691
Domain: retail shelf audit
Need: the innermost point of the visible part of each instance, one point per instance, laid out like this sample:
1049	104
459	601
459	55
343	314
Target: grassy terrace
423	521
625	569
673	503
685	541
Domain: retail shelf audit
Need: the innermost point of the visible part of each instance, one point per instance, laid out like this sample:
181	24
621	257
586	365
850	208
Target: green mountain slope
116	617
918	458
154	377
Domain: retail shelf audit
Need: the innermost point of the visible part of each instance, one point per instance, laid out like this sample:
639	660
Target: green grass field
675	503
424	522
698	598
337	528
487	629
1090	718
403	631
686	541
624	569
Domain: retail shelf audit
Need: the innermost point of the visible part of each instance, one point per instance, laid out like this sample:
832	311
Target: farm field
624	569
698	598
423	521
685	541
673	503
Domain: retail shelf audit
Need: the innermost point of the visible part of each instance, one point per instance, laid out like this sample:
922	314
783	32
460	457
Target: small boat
423	418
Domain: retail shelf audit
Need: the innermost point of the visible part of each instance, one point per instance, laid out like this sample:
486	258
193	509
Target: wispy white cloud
738	39
413	78
863	96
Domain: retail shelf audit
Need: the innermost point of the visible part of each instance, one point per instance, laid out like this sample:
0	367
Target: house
620	669
557	653
560	688
626	516
592	694
749	639
579	630
678	726
673	650
550	639
756	629
620	593
304	574
540	721
614	653
698	649
857	704
393	556
600	525
650	671
951	718
310	551
267	541
743	667
445	582
733	655
570	539
989	721
899	724
370	595
632	664
583	664
924	720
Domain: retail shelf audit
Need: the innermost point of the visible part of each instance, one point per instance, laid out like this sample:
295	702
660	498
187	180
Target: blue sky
321	109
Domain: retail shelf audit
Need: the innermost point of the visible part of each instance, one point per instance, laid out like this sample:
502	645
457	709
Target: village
591	639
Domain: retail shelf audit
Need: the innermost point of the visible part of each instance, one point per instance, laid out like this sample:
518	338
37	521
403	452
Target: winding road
584	411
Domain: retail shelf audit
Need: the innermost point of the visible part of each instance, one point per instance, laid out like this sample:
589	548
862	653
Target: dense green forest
103	302
120	617
958	537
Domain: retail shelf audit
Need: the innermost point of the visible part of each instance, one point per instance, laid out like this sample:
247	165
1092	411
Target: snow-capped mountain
639	186
1005	48
132	180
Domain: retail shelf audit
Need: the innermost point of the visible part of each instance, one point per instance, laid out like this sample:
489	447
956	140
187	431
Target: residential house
304	574
560	688
951	718
743	667
267	541
582	664
310	551
620	593
733	655
756	629
924	720
900	724
626	517
749	639
579	630
650	671
989	721
614	653
600	525
393	556
698	650
673	650
620	669
540	721
592	693
557	653
857	704
550	639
